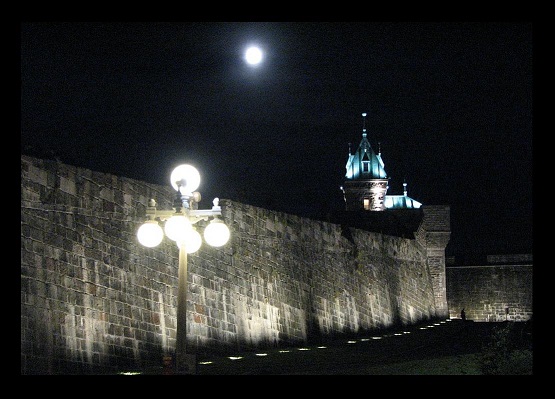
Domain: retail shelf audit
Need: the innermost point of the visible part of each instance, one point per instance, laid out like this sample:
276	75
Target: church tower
366	182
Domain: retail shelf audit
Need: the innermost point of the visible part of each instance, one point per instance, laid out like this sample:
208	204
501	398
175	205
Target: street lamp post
179	226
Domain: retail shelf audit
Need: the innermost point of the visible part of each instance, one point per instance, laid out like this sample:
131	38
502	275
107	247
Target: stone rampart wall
93	300
491	292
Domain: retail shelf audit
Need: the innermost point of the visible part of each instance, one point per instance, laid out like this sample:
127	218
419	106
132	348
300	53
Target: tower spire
364	124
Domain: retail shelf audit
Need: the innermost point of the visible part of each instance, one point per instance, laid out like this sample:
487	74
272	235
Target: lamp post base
186	365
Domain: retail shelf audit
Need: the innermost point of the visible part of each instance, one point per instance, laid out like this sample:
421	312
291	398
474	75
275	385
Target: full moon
253	56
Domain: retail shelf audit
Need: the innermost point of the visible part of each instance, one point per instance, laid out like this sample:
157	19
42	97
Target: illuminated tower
366	182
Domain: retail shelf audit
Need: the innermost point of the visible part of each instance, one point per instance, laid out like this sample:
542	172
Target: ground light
247	358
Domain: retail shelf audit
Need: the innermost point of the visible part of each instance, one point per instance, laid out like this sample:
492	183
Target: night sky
450	105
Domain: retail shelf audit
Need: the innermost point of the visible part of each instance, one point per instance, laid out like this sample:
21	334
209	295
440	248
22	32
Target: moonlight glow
253	56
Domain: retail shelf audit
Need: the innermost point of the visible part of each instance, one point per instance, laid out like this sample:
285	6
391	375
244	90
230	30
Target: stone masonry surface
93	300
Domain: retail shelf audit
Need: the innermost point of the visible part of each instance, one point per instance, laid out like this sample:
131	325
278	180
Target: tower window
366	203
365	166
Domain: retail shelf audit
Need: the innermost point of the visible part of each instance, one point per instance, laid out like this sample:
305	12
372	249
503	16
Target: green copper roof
365	164
401	202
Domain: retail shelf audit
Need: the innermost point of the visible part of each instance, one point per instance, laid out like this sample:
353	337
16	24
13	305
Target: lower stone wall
95	301
491	292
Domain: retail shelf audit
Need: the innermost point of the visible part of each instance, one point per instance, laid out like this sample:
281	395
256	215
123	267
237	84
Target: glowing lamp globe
216	233
185	179
192	241
177	227
150	234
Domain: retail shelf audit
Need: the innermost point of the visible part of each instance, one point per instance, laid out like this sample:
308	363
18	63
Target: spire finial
364	124
405	187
